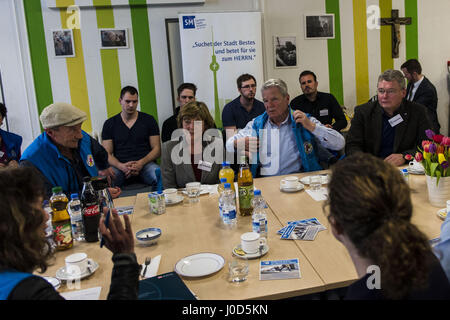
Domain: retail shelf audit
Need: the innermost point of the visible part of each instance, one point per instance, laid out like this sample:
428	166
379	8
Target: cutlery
147	262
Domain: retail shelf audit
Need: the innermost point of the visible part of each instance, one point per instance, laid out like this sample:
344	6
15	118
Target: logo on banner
188	22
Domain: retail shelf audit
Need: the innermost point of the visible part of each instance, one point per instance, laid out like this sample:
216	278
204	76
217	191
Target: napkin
319	195
152	268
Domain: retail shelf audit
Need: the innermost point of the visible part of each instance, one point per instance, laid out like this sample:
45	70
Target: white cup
290	182
251	242
416	165
76	264
170	194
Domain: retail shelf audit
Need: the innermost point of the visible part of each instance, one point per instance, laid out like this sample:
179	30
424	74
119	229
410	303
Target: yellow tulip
441	158
426	155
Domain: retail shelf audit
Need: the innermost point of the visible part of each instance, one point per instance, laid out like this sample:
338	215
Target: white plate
199	265
62	274
238	252
324	179
298	188
204	189
178	199
416	171
442	213
54	282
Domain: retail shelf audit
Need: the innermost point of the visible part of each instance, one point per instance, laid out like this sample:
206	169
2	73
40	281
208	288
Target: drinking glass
315	183
237	270
193	191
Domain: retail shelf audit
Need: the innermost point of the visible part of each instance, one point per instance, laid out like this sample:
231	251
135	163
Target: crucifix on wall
395	22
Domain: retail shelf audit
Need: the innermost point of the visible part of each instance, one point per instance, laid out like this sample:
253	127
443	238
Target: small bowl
148	236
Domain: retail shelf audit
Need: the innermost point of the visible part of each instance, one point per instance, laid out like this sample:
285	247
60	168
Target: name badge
205	165
395	120
323	112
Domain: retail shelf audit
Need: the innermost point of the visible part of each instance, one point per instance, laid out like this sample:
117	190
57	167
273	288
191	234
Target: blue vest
9	280
55	167
306	144
13	142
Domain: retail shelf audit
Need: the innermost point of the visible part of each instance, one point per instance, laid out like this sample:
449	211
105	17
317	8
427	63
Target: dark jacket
124	283
426	95
366	129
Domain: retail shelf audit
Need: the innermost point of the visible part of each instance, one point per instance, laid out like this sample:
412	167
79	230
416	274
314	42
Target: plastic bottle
259	216
245	188
90	210
227	173
76	218
405	175
229	207
62	230
220	189
49	229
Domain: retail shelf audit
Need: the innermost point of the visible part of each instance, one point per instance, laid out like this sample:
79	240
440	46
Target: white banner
216	49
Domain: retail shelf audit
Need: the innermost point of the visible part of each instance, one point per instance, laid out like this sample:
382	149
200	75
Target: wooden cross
395	21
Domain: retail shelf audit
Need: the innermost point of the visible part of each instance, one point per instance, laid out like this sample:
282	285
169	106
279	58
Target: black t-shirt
169	126
325	108
234	114
130	144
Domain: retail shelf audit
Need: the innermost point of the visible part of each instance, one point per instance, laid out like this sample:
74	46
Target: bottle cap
227	186
405	170
56	189
160	192
45	203
257	192
74	196
225	164
223	180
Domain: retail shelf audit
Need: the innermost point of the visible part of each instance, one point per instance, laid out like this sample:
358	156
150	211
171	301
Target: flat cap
61	114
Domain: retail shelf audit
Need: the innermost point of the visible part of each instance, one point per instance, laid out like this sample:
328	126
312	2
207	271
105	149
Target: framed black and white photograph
319	26
63	43
113	38
285	51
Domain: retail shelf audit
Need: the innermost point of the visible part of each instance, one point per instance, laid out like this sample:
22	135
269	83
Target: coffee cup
416	165
290	182
77	263
251	242
170	194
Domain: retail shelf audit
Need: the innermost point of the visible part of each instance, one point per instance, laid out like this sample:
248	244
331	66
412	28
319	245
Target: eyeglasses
389	91
248	86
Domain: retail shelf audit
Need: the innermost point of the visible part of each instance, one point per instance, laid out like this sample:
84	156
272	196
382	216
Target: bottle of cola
91	211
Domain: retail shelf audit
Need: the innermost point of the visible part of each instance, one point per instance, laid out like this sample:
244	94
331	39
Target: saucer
54	282
298	188
62	274
416	171
178	199
238	252
442	213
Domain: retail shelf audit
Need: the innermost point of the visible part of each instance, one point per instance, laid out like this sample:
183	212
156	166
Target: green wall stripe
143	53
110	59
38	53
335	53
412	41
387	62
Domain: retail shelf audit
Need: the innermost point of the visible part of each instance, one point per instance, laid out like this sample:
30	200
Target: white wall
14	65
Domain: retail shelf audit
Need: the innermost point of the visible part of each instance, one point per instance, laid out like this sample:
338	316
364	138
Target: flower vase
438	194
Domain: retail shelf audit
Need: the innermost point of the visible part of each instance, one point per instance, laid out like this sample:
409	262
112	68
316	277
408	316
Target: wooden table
328	256
193	228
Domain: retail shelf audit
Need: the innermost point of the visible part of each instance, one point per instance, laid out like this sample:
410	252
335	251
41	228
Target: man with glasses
186	93
391	127
240	111
322	106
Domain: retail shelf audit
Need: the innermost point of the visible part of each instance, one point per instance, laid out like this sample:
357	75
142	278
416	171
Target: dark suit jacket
366	129
177	175
426	95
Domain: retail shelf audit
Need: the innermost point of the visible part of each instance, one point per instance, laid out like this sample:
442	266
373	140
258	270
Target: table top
193	228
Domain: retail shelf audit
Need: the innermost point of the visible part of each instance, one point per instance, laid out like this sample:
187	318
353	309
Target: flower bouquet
434	155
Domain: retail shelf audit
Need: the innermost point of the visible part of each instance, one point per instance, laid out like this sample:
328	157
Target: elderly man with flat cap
64	153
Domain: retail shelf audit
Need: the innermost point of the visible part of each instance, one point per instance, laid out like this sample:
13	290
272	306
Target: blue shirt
442	249
234	114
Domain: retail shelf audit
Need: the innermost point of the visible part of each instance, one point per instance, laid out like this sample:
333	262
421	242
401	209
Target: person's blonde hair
193	110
